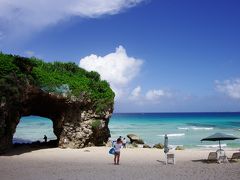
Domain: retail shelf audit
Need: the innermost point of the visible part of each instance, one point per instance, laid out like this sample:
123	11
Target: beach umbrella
166	144
219	137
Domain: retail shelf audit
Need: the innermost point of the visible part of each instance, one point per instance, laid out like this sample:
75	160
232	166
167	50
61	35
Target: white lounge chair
170	157
221	156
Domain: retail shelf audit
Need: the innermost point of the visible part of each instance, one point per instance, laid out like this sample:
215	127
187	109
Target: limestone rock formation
158	146
179	148
135	139
31	87
146	146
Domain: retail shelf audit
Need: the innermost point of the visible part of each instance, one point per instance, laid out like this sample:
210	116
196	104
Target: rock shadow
22	148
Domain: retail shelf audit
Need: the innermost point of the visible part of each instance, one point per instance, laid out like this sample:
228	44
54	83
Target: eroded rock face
75	123
135	139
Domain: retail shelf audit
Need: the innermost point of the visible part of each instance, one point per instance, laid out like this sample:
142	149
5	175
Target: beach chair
235	156
212	157
170	157
221	156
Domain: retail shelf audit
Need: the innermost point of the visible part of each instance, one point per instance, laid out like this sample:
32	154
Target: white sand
63	164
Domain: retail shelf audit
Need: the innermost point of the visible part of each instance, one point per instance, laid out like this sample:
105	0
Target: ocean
183	129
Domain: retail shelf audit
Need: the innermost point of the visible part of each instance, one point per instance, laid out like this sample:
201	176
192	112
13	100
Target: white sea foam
195	128
212	145
183	128
173	146
202	128
172	135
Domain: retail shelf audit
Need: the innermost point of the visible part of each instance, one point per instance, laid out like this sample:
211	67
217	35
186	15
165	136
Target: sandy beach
95	163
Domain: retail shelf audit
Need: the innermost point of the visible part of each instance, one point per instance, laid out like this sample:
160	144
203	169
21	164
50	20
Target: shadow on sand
213	162
162	162
22	148
203	161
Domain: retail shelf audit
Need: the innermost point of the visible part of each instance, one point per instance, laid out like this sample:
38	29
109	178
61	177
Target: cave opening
32	129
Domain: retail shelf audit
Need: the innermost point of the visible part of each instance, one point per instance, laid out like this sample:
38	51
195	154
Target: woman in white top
117	148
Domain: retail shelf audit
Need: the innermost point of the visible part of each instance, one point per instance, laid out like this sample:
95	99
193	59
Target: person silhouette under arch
45	138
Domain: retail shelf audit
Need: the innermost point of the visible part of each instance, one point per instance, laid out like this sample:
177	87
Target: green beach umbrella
219	137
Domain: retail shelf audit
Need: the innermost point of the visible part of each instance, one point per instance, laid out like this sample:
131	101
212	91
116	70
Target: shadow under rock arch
29	125
38	104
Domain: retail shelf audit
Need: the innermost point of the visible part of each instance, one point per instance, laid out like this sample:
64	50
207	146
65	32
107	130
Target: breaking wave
212	145
195	128
172	135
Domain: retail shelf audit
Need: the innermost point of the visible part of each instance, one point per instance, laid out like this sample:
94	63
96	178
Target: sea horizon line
193	112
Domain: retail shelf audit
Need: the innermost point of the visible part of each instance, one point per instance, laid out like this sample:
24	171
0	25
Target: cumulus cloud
229	87
117	68
19	18
156	94
136	93
152	96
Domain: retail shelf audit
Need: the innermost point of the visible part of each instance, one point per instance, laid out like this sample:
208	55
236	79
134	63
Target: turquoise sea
186	129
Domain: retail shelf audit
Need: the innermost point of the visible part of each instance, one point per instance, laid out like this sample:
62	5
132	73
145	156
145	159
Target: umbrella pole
220	144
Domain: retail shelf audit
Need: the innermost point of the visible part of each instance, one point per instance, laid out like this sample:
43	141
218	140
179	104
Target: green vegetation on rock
60	78
96	124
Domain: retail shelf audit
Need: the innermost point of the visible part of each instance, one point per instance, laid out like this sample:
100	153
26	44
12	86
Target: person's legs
115	157
118	157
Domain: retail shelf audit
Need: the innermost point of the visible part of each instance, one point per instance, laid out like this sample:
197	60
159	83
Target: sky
157	55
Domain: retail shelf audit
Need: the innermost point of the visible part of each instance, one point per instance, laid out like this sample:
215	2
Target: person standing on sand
117	148
45	138
124	142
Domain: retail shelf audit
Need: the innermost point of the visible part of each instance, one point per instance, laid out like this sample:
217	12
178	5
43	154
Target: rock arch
75	123
77	101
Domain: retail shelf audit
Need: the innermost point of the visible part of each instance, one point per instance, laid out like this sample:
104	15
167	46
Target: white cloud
117	68
152	96
157	94
94	8
136	93
25	16
229	87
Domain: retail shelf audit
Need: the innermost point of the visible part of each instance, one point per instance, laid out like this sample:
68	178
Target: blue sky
158	55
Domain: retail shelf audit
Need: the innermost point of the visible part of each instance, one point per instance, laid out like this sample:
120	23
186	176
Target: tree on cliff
60	78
